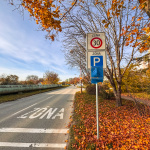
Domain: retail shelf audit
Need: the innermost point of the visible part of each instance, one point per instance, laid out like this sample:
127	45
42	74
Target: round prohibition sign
96	42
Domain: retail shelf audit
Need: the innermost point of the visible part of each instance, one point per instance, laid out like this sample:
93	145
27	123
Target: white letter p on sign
96	60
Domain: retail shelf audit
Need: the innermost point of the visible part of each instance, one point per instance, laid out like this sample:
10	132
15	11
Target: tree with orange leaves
47	13
145	5
50	13
50	77
123	22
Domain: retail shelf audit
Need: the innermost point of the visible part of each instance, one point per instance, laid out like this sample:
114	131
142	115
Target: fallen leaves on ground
119	127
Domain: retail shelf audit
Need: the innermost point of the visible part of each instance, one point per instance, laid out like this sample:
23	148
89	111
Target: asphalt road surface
37	122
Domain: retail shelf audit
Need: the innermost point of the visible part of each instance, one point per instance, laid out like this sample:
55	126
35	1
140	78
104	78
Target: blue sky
25	51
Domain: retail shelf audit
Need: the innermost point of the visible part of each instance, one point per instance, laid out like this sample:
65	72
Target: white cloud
21	73
31	50
25	51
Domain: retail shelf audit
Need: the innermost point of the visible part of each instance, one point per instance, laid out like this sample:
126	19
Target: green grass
15	96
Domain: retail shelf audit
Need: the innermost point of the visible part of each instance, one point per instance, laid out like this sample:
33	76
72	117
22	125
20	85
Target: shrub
148	89
91	89
103	91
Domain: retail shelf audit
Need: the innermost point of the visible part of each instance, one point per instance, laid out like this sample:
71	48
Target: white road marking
48	113
60	114
30	106
33	130
52	145
48	97
22	110
24	116
37	114
25	109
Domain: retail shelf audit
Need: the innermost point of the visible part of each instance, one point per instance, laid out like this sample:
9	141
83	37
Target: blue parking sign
96	74
96	69
96	61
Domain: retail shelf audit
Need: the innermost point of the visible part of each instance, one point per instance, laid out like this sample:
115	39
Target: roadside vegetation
119	127
136	82
15	96
140	95
49	77
126	25
124	22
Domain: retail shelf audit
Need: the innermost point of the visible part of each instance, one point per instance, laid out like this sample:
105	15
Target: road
37	122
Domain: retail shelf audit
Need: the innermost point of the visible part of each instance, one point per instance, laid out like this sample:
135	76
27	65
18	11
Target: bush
91	89
102	90
148	89
105	94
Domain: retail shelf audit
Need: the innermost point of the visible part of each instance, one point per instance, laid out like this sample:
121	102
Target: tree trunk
118	97
118	100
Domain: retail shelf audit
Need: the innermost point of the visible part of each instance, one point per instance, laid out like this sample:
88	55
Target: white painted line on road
52	145
48	113
22	110
25	109
49	97
33	130
17	112
29	107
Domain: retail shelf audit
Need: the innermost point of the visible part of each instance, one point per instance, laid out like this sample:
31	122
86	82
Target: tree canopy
9	79
50	77
124	22
47	13
32	79
50	14
123	25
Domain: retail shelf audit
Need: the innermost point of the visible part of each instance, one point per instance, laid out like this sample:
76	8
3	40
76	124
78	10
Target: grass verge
120	128
15	96
143	95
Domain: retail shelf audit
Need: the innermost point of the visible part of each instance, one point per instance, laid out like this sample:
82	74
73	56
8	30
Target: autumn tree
9	79
86	79
148	76
50	77
40	80
74	80
2	78
48	14
135	79
32	79
123	24
145	4
22	82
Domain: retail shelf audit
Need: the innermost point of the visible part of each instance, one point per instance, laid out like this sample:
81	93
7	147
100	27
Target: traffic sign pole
96	61
97	116
81	86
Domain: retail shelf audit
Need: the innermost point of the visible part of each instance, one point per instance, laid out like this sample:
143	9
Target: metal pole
81	85
80	73
97	111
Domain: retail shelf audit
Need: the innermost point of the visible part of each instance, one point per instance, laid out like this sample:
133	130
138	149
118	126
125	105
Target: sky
25	51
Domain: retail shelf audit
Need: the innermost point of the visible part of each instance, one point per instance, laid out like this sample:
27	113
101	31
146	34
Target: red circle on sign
95	44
